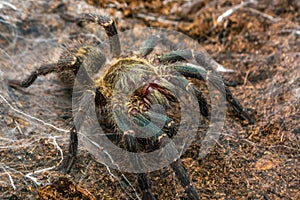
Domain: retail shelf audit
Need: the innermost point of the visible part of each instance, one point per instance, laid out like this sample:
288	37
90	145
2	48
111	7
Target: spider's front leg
170	152
131	145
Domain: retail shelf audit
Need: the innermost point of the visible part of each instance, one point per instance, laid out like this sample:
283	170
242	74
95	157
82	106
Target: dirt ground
258	40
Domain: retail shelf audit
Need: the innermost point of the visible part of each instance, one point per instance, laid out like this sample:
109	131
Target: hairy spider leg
184	179
42	70
170	126
201	101
151	127
74	60
131	145
177	55
83	111
72	152
212	78
172	152
152	41
144	185
107	23
202	58
183	83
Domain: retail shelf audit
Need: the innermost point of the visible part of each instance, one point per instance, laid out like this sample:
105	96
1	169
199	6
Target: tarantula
89	59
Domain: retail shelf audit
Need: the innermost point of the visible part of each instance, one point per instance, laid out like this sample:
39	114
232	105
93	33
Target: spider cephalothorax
129	87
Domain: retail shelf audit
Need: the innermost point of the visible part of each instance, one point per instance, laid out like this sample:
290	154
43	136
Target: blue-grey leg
176	165
212	78
131	145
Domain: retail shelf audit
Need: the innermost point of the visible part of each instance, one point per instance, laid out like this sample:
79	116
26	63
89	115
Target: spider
90	58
